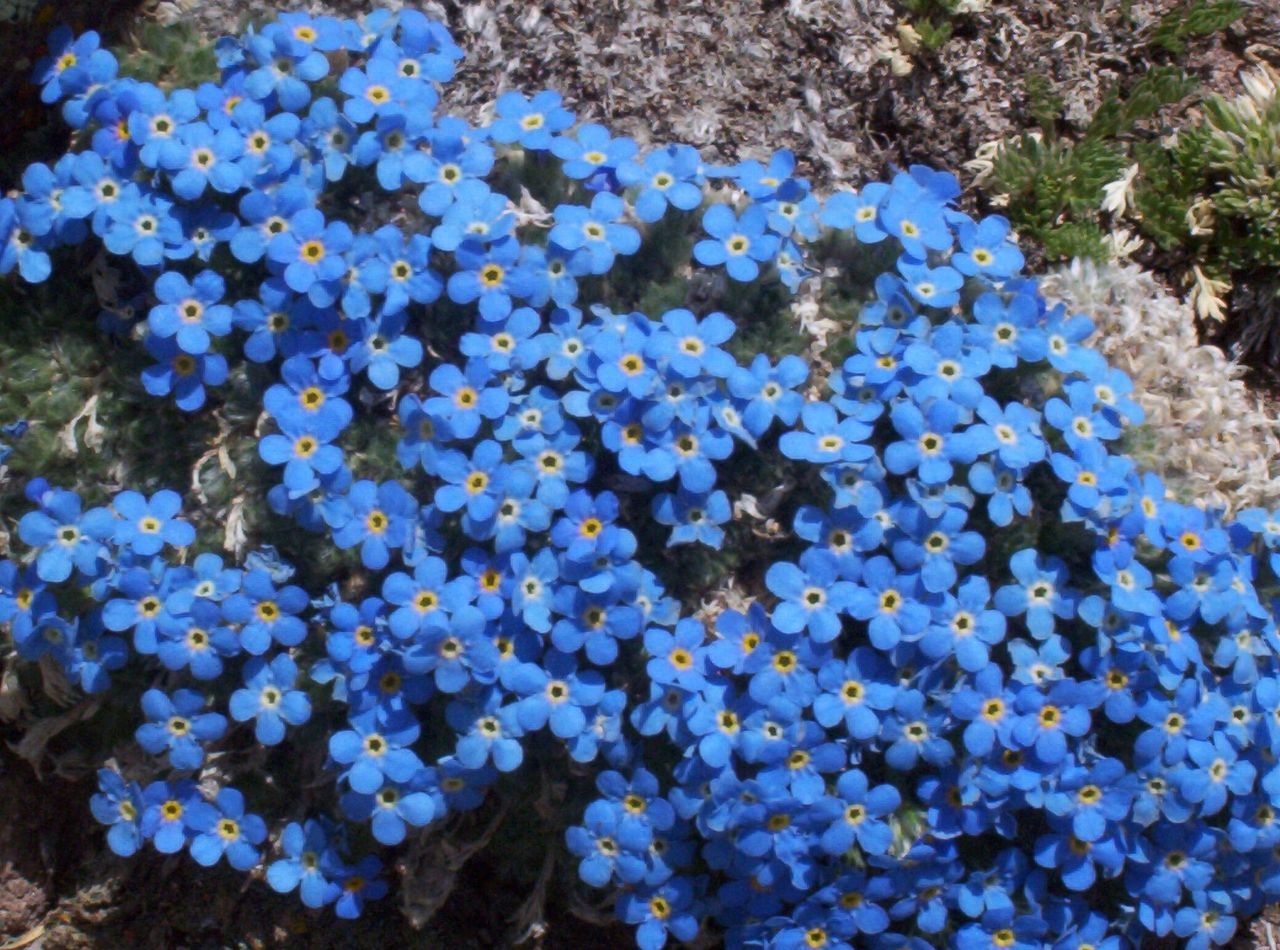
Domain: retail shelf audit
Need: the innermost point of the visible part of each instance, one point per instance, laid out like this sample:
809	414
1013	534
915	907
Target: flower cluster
994	689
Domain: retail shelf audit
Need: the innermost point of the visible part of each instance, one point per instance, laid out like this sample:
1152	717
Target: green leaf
1194	18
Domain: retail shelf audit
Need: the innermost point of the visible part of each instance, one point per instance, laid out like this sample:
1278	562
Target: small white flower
1117	196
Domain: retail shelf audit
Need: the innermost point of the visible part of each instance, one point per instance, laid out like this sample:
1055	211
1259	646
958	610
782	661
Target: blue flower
1216	772
788	673
390	811
380	89
487	731
91	656
855	814
770	390
197	639
934	286
282	69
458	655
532	587
963	627
758	180
1077	420
1041	592
593	623
52	204
225	828
931	443
309	863
988	709
677	657
828	439
144	227
266	215
266	614
605	850
63	71
378	518
490	275
21	248
693	517
591	151
950	369
475	484
425	600
914	217
65	537
179	373
146	526
375	750
268	698
555	693
854	691
529	123
201	156
667	909
936	546
741	244
914	733
477	215
670	177
178	726
118	804
984	249
331	135
1008	331
169	809
1092	475
857	211
268	143
1192	532
303	446
309	394
359	883
1065	336
309	251
1206	924
456	157
811	596
1047	719
691	347
141	605
592	235
688	451
1094	798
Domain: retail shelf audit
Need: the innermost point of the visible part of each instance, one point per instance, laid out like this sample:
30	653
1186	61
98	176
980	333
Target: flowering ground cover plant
991	688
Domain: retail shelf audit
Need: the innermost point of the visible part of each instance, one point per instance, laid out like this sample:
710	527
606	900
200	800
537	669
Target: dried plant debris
1206	433
845	84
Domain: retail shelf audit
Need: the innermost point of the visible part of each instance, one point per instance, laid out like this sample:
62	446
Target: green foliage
94	430
1194	18
1118	115
1055	186
175	55
1206	195
933	37
1225	177
1043	103
1170	179
932	21
1242	160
